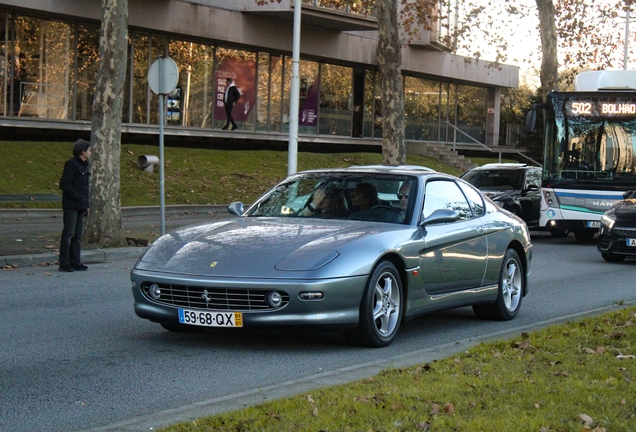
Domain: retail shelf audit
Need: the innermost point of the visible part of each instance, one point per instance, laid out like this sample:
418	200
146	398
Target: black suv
617	238
512	186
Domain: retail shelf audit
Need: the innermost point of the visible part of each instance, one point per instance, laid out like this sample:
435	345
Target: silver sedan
357	250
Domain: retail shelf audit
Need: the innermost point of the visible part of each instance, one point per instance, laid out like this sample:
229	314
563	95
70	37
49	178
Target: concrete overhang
319	17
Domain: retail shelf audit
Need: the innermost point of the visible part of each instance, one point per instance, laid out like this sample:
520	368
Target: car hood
254	247
626	209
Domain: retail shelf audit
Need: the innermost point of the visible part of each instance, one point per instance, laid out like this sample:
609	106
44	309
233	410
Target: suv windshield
495	179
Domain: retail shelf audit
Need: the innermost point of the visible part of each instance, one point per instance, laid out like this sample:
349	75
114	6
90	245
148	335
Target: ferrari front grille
213	298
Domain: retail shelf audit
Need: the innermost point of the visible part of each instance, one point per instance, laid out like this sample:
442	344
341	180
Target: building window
372	105
471	113
336	99
5	85
421	109
309	94
240	66
41	66
140	91
262	92
275	92
192	102
87	65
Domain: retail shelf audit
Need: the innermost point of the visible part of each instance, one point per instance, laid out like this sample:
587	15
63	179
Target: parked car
430	242
617	238
512	186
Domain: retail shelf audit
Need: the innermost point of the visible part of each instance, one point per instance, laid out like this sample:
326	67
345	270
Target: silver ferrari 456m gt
357	250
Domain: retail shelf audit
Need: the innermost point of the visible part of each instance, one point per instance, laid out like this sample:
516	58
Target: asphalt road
74	356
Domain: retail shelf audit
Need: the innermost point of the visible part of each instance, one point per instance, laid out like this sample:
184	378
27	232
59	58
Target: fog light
274	299
155	291
309	295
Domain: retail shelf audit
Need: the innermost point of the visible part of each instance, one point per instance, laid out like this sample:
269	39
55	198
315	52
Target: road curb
88	256
126	212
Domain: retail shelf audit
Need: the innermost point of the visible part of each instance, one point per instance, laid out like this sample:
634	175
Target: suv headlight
608	219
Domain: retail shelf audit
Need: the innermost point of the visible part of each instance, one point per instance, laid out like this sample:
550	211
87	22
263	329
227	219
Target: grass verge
577	376
192	176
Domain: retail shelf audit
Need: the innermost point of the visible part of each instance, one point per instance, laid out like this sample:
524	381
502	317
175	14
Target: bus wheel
584	235
559	232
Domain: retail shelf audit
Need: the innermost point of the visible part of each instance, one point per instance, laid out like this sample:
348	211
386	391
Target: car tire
612	257
584	235
559	232
512	283
380	308
180	328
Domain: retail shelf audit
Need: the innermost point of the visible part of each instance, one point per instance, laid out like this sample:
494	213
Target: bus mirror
531	121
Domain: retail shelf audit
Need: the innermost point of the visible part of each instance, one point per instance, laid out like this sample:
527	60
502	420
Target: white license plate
210	319
594	224
631	242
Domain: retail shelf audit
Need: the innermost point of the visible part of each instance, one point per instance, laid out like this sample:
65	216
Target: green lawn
192	176
574	377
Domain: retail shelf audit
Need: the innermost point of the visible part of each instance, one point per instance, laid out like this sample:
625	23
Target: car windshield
495	179
357	196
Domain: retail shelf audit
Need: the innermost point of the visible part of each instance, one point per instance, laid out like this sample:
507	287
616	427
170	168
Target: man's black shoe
79	267
224	128
66	268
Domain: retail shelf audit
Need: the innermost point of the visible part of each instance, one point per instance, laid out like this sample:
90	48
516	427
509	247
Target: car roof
505	165
391	168
378	169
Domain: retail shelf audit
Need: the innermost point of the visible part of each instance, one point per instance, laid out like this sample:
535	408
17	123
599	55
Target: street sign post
163	77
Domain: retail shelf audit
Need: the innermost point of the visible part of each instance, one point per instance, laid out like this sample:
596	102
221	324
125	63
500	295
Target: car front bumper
339	307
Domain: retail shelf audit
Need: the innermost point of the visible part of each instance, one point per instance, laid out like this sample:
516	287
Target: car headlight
608	219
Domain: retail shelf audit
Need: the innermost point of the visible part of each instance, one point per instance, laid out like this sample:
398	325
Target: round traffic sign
163	75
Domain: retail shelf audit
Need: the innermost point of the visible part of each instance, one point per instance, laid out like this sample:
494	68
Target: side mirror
236	208
440	216
628	194
531	121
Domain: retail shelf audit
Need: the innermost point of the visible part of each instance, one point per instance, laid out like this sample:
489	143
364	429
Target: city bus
589	152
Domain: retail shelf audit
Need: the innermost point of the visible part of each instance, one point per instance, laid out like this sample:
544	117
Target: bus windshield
590	141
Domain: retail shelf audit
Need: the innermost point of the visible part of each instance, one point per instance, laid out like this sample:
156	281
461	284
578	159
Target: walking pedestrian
74	184
231	96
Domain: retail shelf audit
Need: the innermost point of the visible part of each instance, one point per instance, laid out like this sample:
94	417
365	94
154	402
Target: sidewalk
31	237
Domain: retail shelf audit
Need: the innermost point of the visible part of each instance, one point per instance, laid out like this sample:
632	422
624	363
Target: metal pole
162	205
294	94
626	37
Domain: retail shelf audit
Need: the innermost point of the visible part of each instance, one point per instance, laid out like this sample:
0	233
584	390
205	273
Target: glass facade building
48	67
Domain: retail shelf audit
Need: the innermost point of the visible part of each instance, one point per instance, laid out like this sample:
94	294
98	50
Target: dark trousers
71	244
230	119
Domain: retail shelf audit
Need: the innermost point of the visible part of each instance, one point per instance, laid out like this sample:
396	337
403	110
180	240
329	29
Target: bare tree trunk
549	42
389	56
104	221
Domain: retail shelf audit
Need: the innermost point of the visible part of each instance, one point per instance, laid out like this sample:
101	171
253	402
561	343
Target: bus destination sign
601	108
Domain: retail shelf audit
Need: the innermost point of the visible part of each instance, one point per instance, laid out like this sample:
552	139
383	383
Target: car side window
474	199
445	194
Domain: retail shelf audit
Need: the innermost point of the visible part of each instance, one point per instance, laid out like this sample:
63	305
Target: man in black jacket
74	184
231	96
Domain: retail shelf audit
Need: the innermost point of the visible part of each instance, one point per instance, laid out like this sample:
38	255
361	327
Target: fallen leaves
448	408
588	423
598	350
